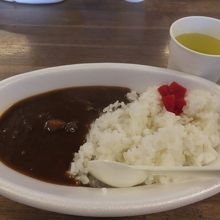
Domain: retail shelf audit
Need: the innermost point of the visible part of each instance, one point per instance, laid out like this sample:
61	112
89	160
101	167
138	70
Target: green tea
200	42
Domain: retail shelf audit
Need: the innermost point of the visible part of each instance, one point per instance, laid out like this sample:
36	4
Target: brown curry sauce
39	135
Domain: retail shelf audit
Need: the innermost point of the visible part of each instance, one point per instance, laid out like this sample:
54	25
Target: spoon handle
179	170
184	172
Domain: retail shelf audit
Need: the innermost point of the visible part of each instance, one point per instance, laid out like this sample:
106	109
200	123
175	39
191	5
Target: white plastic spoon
122	175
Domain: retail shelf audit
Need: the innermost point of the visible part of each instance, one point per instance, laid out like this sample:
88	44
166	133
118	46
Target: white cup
187	60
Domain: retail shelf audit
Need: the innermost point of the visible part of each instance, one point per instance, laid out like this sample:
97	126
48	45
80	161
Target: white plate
35	1
89	201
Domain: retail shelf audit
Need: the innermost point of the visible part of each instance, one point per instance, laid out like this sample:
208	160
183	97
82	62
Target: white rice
144	133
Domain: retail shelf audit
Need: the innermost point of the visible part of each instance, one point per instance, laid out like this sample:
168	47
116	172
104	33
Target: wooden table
80	31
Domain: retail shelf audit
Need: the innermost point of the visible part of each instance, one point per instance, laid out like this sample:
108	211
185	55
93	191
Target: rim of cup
186	48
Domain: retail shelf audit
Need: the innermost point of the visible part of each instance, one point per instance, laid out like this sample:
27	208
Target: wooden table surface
81	31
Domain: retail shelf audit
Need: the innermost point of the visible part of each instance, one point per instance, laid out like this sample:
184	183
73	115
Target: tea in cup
195	46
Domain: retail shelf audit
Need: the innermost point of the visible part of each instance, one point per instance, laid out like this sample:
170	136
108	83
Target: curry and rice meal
52	136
